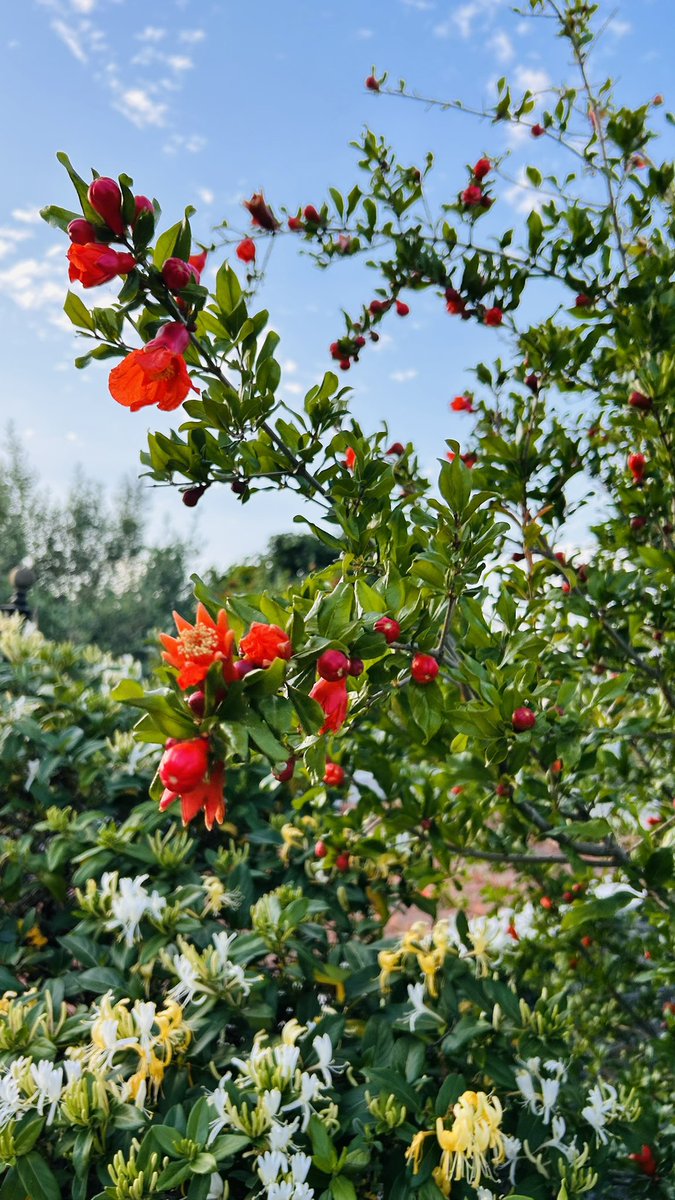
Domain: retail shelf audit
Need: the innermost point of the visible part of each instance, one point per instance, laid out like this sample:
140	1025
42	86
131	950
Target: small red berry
426	824
372	84
424	669
333	665
193	495
389	627
538	131
636	465
577	888
546	903
402	308
523	719
472	196
493	316
586	941
482	168
321	849
184	765
246	250
639	400
334	775
568	897
359	342
503	789
342	862
356	667
556	766
345	364
638	522
565	587
583	301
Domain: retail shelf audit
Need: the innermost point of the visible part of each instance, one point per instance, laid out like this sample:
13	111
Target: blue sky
206	102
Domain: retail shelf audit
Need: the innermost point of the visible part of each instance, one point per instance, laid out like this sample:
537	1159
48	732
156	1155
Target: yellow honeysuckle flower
291	1031
475	1131
389	962
415	938
293	840
430	964
35	937
416	1148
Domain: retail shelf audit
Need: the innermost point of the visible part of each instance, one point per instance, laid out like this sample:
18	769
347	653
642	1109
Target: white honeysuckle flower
107	1042
601	1105
235	975
416	992
310	1089
525	1084
11	1101
549	1096
280	1136
555	1067
270	1166
558	1130
188	984
323	1048
144	1013
540	1092
129	903
221	944
303	1192
270	1101
512	1149
216	1188
280	1191
286	1059
300	1164
48	1080
73	1070
218	1100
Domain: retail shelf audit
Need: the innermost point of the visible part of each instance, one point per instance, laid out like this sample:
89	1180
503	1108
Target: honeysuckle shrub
226	1008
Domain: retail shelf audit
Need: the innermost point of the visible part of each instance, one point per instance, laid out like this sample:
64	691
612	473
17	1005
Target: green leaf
596	910
342	1188
228	289
658	869
37	1177
198	1121
27	1132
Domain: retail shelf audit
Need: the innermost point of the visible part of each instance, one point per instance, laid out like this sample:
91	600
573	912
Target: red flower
310	214
334	701
402	308
261	213
350	456
295	224
456	306
207	797
482	168
81	231
198	646
645	1160
636	465
263	643
538	131
334	775
93	263
105	198
372	84
246	250
493	316
389	627
155	374
532	381
462	404
396	448
184	765
198	261
424	668
583	301
639	400
472	196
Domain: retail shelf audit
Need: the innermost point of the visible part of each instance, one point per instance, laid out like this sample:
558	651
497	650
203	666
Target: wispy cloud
531	79
206	195
27	216
403	376
192	142
140	108
523	197
503	46
465	19
190	37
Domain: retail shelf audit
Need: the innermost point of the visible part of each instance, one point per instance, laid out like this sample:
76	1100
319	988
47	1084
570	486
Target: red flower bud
482	168
344	366
373	85
389	627
310	214
402	308
638	523
356	667
639	400
242	668
546	903
636	465
462	404
177	274
424	668
587	941
246	250
334	775
81	232
192	496
538	131
472	196
396	448
532	382
583	301
286	772
105	198
295	224
342	862
456	306
523	719
184	765
261	213
333	665
350	455
321	849
378	306
493	316
142	204
359	342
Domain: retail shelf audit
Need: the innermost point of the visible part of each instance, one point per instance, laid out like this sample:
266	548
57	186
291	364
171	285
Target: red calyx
321	849
333	665
345	364
645	1160
456	306
246	251
372	84
378	306
286	772
639	400
342	862
396	448
389	627
334	775
184	765
523	719
295	224
402	308
538	131
532	382
493	316
424	668
359	342
105	198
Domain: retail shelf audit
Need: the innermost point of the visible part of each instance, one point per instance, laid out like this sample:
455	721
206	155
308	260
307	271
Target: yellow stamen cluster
198	641
474	1134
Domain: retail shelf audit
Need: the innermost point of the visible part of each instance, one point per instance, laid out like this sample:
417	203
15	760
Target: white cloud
83	6
32	283
151	33
502	45
420	5
28	216
532	80
180	62
293	389
206	195
618	27
384	342
517	134
70	38
464	18
10	238
140	108
289	366
523	197
364	34
190	37
403	376
193	143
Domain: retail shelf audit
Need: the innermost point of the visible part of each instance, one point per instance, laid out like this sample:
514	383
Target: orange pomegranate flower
198	646
334	701
93	263
208	797
154	374
263	643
